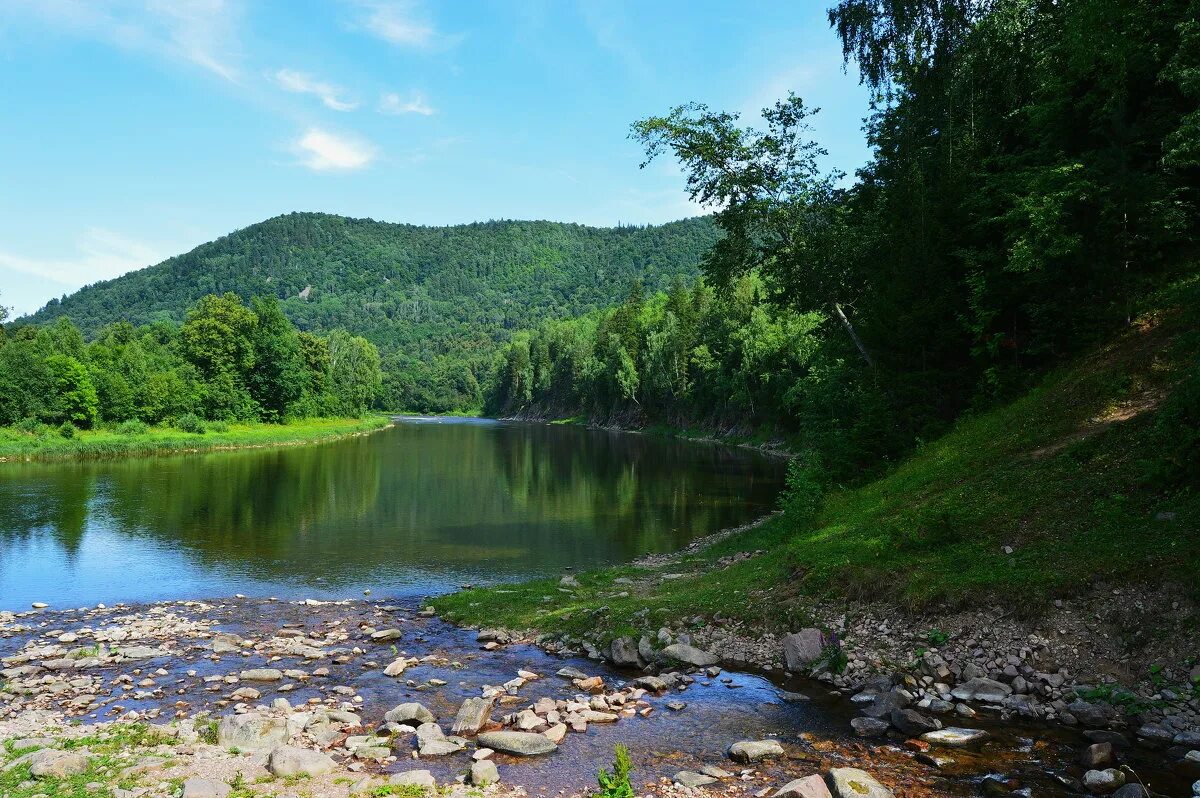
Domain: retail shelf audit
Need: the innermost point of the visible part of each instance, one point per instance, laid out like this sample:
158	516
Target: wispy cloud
101	254
395	105
331	95
404	23
200	32
324	151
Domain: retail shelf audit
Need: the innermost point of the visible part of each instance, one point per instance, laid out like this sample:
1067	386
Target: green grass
1060	476
88	444
108	755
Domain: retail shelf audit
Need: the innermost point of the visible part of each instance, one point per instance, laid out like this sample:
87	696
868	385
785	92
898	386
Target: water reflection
415	509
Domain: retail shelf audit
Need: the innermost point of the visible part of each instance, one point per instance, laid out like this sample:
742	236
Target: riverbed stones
982	689
808	787
855	783
1103	782
472	716
690	655
801	649
261	675
252	732
748	751
689	778
955	737
484	772
51	763
869	727
518	743
197	787
912	722
288	761
410	714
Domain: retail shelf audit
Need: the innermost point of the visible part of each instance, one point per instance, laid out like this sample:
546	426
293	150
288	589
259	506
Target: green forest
227	362
436	301
1034	180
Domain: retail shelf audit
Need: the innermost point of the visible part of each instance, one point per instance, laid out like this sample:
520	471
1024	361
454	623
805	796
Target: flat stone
855	783
287	761
571	673
196	787
692	779
415	778
748	751
808	787
386	635
517	743
954	737
396	667
982	689
51	763
252	732
484	772
410	714
690	655
1102	782
261	675
869	727
472	715
27	743
912	722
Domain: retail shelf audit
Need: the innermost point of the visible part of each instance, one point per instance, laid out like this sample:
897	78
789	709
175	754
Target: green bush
190	422
218	426
616	784
803	491
67	430
30	426
133	427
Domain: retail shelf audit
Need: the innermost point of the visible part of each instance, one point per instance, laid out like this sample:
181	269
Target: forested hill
435	300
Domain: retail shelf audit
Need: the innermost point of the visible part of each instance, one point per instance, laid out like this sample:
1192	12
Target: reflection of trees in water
509	499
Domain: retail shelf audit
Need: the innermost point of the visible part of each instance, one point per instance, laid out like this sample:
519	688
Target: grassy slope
15	445
1056	475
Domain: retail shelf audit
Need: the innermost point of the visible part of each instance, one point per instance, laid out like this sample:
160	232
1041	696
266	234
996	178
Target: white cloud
403	23
323	151
199	32
100	255
300	83
395	105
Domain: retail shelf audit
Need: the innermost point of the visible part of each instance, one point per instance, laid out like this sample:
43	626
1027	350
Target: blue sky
133	130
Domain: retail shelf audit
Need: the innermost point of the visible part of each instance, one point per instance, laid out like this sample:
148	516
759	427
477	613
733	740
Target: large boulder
982	689
472	715
484	772
884	704
252	732
50	763
517	743
801	649
1093	715
288	761
623	653
855	783
411	714
748	751
690	655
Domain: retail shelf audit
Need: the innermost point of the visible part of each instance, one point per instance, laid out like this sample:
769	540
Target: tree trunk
862	350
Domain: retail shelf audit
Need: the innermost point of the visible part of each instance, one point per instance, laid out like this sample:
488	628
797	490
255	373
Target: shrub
30	426
190	422
218	426
67	430
133	426
616	784
803	490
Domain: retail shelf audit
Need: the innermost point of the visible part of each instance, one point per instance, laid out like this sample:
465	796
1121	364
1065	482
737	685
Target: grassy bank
1041	497
49	445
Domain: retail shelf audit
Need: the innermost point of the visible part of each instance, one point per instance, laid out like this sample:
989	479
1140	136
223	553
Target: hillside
435	300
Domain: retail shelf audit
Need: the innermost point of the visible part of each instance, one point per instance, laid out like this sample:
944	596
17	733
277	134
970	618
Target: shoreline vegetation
101	443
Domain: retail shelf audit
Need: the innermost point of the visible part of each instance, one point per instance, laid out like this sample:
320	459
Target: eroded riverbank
183	665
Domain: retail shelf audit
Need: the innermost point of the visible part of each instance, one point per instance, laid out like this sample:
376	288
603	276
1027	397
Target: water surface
416	509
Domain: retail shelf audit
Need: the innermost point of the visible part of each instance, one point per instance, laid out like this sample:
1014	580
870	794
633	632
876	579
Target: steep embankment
1069	514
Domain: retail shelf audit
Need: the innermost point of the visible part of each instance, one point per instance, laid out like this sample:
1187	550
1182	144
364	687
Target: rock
682	652
415	778
517	743
801	649
692	779
869	727
623	653
386	635
556	733
1102	782
411	714
1187	739
716	772
855	783
954	737
26	743
196	787
912	722
884	704
808	787
484	772
1196	787
1117	739
261	675
1192	756
568	581
286	761
494	636
676	706
51	763
652	683
1154	735
982	689
1097	756
571	673
1132	791
748	751
251	732
1091	714
472	715
396	667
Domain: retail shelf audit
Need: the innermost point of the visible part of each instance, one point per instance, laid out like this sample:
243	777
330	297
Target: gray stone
801	649
869	727
386	635
652	683
624	653
691	655
692	779
251	732
910	721
955	737
51	763
1102	782
1132	791
1188	739
1097	755
484	772
1091	714
808	787
287	760
883	704
196	787
748	751
410	714
517	743
982	689
855	783
571	673
26	743
1154	735
261	675
417	778
472	715
494	636
1117	739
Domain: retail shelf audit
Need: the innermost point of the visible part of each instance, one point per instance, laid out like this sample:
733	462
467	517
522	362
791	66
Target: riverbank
100	443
